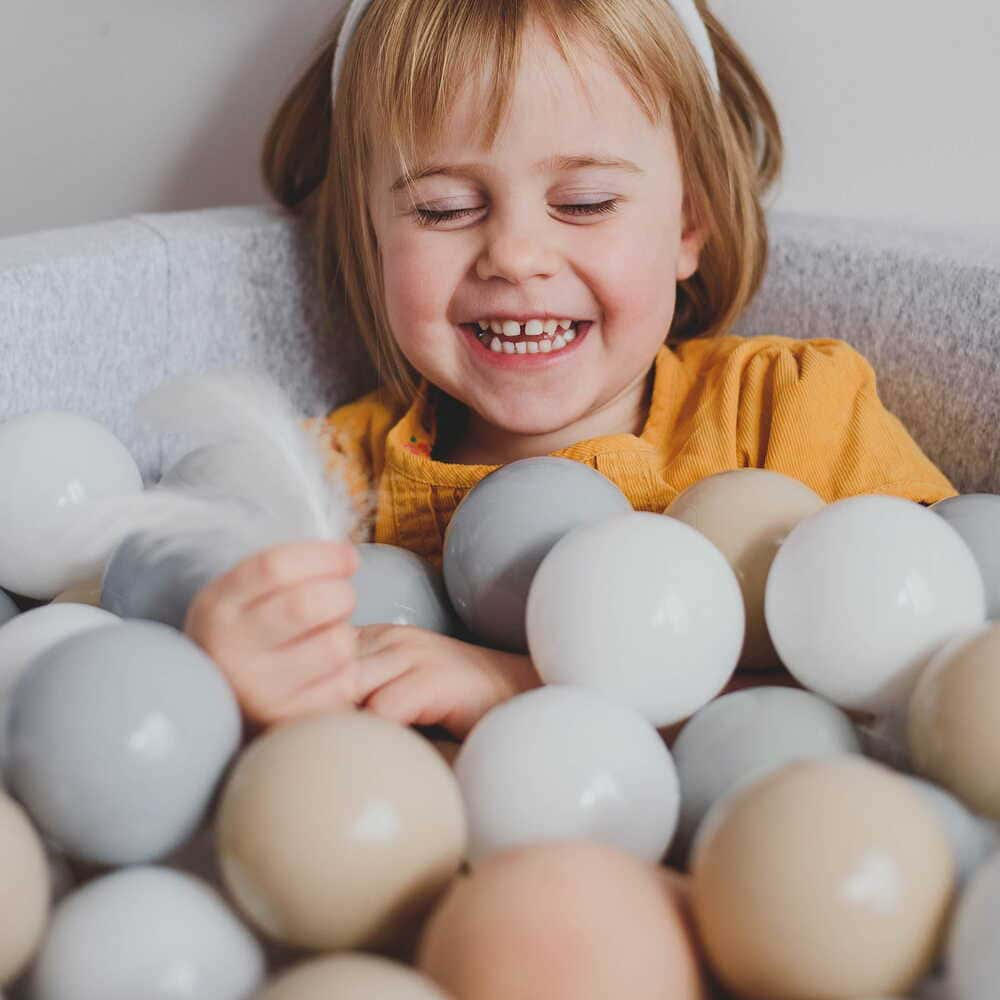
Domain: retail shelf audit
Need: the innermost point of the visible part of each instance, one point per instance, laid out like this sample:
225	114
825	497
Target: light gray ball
118	738
8	609
504	528
139	583
976	517
745	735
396	586
148	932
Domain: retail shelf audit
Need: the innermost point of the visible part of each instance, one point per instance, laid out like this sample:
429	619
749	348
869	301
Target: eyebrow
553	164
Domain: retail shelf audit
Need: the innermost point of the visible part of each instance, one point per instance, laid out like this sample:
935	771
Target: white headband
684	9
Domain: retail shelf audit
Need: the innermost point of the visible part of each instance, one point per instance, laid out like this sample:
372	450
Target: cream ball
352	977
954	719
339	831
828	878
747	514
24	889
572	920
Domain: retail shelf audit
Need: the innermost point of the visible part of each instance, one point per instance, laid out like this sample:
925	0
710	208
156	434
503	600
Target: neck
482	443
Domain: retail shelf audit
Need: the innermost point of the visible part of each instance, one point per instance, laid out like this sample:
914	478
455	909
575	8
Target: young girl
545	216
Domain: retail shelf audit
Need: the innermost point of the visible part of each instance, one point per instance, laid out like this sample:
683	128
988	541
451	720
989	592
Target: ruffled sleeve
811	409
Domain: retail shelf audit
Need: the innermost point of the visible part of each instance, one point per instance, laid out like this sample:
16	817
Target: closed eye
428	217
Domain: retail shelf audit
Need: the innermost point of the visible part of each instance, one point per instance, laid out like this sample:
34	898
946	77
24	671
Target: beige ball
352	977
746	514
25	891
571	920
339	831
88	592
828	878
953	724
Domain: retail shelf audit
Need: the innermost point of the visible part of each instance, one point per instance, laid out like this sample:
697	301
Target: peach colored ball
746	514
339	831
569	920
24	889
828	878
953	726
352	977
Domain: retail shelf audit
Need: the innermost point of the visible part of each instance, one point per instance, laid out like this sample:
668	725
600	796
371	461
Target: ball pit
344	853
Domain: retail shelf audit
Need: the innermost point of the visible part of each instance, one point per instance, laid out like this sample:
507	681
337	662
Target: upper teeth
533	328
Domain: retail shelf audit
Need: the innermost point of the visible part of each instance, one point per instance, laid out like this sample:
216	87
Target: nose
517	249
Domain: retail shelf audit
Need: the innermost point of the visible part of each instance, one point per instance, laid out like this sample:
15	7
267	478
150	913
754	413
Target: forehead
552	110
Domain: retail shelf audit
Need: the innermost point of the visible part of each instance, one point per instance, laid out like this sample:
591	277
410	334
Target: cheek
415	279
637	273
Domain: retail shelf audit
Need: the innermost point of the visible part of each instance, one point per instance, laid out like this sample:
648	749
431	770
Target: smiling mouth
543	343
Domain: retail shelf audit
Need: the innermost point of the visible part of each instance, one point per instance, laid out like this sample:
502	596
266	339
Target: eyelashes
427	217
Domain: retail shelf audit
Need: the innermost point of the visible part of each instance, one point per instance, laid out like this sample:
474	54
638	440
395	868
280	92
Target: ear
693	238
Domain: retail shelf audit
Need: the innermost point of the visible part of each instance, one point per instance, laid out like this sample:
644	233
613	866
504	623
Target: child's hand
278	626
417	677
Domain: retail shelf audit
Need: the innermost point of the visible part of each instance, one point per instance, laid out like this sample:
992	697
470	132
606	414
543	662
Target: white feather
229	508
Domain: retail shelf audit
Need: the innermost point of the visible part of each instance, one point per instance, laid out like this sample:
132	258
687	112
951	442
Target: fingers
318	670
283	565
294	613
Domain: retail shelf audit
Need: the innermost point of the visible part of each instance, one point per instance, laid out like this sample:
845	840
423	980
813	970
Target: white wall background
889	107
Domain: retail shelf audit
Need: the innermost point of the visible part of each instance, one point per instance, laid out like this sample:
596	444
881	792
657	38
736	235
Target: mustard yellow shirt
807	408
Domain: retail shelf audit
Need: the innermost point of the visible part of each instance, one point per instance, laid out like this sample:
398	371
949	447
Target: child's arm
418	677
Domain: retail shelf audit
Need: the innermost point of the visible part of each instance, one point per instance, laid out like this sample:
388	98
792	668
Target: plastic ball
563	921
973	839
146	931
339	831
746	734
827	878
62	461
398	587
954	719
747	514
24	889
561	763
87	592
502	530
138	582
862	593
976	517
8	609
352	977
642	608
118	738
30	634
971	955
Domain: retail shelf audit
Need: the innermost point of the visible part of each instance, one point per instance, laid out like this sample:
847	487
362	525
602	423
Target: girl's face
533	237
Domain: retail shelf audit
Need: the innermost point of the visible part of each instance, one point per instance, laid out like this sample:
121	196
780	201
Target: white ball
972	957
747	734
863	592
642	608
146	931
52	463
563	763
26	636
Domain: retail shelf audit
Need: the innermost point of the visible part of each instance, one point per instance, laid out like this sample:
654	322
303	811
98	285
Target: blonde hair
402	73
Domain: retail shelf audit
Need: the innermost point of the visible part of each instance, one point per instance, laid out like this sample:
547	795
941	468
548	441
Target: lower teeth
542	344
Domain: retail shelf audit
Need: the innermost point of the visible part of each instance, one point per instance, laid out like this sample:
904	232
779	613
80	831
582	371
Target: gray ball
139	583
976	517
396	586
504	528
745	735
118	738
146	931
8	609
